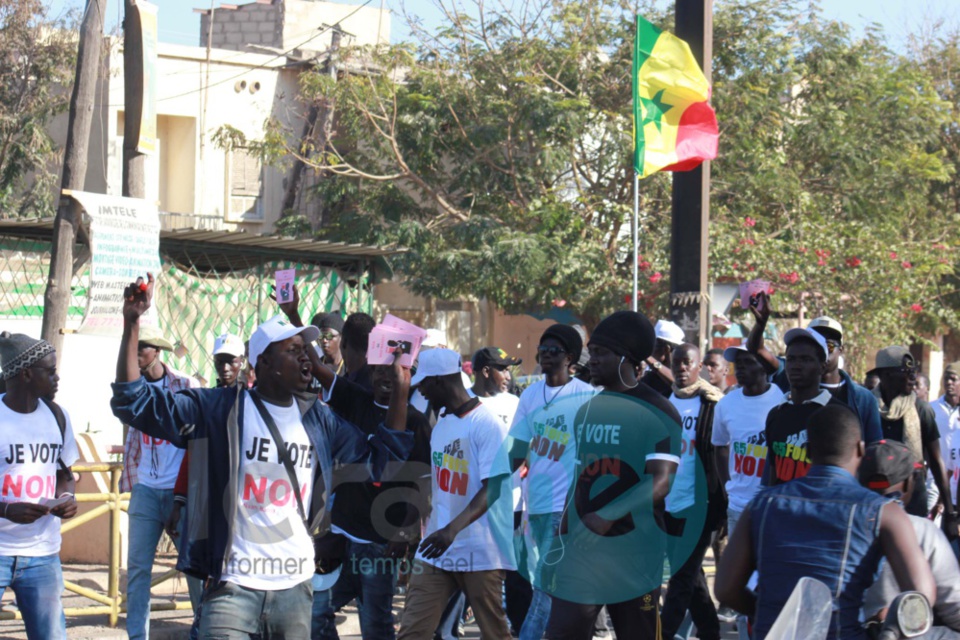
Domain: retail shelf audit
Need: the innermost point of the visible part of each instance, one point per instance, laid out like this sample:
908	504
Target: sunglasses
328	336
832	345
552	350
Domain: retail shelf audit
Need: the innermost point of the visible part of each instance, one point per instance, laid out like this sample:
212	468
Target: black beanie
626	333
567	336
328	321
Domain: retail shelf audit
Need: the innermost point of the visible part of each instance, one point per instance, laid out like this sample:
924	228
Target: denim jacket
823	526
210	422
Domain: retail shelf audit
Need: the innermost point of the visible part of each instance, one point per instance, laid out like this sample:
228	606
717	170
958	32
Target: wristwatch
657	364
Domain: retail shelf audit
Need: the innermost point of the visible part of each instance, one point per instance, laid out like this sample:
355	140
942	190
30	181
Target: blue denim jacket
824	526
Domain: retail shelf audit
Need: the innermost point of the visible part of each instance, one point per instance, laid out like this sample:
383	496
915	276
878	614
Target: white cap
436	362
277	329
808	334
434	338
730	353
669	332
228	344
826	322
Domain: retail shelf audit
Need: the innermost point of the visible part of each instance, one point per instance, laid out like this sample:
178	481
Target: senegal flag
675	129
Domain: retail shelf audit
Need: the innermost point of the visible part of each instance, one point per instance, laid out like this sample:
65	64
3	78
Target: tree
37	55
499	151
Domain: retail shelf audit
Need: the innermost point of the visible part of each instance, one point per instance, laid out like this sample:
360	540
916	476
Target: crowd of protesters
307	479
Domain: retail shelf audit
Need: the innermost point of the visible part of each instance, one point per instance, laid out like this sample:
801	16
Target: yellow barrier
111	602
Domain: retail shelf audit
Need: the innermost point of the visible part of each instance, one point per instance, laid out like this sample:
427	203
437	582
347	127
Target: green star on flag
654	109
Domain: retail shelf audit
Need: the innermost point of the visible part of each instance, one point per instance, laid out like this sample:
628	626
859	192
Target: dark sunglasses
552	350
832	345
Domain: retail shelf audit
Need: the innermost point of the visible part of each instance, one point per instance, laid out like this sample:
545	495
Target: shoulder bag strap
282	453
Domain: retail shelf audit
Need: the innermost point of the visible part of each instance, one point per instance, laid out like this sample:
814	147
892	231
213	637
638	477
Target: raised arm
323	374
137	298
761	313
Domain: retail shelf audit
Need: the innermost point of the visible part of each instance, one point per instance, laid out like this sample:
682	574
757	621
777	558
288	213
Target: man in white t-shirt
695	400
947	410
542	433
151	466
261	471
739	423
37	447
462	549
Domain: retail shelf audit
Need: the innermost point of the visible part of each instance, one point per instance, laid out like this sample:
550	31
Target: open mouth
306	371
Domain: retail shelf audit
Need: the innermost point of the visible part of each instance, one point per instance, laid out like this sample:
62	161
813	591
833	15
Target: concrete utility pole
134	181
689	243
56	298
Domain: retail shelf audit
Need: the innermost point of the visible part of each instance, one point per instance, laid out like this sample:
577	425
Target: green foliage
37	56
499	151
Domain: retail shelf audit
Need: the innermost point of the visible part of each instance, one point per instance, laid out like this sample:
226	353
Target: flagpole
636	237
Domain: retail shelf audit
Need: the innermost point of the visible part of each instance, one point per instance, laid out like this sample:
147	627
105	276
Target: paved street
175	625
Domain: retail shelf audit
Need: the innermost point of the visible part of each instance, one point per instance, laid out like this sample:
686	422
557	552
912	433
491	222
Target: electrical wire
264	64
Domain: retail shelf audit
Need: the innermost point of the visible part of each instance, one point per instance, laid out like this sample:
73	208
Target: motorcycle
807	614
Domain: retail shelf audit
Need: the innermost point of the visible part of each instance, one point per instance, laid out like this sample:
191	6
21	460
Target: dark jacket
210	422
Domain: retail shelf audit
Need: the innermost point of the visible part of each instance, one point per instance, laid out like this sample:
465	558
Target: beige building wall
190	175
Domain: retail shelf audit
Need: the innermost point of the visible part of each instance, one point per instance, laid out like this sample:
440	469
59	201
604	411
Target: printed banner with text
125	244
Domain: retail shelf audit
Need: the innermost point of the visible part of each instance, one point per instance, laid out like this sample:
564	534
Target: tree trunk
134	182
56	299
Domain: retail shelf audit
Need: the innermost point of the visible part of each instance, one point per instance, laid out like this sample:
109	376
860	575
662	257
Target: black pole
689	242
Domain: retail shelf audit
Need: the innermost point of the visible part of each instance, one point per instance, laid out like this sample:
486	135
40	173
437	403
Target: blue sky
178	22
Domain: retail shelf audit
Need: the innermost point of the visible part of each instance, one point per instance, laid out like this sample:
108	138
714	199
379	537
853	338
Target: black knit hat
19	352
328	321
567	336
626	333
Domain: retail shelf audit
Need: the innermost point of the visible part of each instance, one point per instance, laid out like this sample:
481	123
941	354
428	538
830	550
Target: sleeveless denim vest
824	526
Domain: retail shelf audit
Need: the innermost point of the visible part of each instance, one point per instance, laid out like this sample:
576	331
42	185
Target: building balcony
175	221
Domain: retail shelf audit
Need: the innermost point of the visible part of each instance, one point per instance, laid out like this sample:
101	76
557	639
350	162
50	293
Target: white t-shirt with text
463	451
739	422
159	460
30	446
948	423
272	549
545	419
683	492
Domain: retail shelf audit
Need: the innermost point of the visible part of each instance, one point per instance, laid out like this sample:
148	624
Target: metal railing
111	602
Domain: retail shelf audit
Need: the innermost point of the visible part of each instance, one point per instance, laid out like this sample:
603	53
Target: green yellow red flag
675	128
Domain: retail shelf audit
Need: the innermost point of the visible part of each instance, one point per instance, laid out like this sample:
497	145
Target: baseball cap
827	326
893	358
953	367
228	344
886	463
730	353
807	334
277	329
436	362
492	356
669	332
152	336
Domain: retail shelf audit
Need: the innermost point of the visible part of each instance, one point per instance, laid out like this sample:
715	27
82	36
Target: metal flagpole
636	237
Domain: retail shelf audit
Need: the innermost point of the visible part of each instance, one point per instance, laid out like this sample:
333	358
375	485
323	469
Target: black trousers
635	619
687	590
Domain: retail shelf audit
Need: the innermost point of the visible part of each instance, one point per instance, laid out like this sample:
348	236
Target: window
244	185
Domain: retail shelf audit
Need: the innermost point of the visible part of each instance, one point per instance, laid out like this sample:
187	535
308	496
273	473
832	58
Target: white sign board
125	245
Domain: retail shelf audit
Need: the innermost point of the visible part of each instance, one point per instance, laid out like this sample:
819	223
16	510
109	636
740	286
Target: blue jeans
148	511
38	583
544	528
368	576
231	612
449	625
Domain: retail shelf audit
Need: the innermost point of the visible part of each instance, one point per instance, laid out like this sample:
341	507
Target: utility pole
689	242
56	298
134	181
322	107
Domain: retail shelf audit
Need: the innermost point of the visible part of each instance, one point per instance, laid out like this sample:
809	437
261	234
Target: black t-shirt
893	429
840	392
786	435
354	508
653	380
361	377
